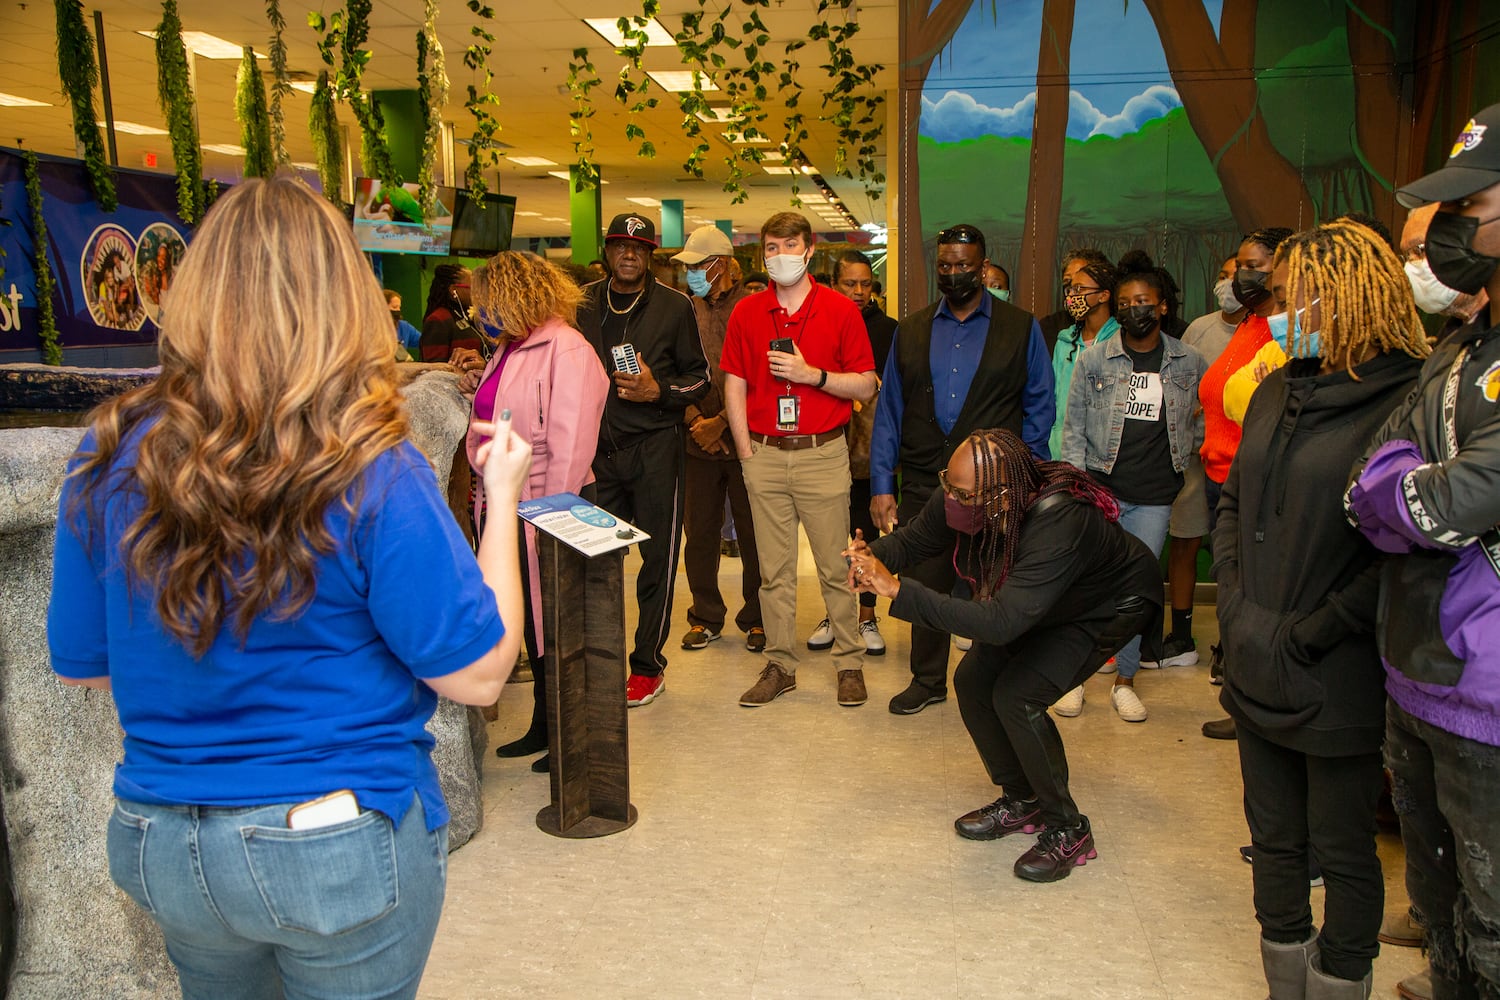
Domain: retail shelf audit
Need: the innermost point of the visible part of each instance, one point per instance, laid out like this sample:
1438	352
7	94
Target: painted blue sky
984	83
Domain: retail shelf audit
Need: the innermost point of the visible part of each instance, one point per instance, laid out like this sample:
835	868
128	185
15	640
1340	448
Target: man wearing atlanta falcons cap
638	470
1429	491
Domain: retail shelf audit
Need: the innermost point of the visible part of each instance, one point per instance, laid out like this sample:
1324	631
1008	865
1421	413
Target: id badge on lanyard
788	408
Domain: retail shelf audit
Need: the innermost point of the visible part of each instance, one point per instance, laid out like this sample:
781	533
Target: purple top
484	398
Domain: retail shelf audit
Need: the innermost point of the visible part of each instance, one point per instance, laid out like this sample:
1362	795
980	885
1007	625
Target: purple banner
110	269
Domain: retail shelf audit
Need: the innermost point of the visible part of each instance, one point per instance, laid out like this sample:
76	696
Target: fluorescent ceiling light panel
678	81
776	170
609	30
773	154
12	101
553	218
311	167
529	215
645	202
808	168
209	46
131	128
717	115
306	86
563	175
531	161
228	149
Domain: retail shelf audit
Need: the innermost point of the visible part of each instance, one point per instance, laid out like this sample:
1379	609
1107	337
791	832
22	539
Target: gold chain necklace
621	312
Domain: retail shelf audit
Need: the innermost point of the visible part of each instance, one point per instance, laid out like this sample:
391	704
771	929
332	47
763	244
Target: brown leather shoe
852	688
773	683
1401	930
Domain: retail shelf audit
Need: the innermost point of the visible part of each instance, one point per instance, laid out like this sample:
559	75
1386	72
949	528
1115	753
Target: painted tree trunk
1049	133
1377	101
1220	97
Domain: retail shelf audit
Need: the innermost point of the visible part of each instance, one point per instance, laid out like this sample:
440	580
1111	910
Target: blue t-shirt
331	699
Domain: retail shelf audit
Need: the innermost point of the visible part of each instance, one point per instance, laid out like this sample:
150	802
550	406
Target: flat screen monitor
482	227
391	220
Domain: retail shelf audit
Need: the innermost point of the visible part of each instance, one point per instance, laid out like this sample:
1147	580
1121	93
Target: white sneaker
1127	703
870	633
822	637
1070	704
961	644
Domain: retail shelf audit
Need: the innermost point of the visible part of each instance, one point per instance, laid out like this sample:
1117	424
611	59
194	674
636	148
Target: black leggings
1004	693
1296	803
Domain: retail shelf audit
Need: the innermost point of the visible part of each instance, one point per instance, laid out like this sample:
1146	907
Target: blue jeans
251	909
1149	524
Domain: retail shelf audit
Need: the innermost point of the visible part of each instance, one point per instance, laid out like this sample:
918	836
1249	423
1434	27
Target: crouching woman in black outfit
1297	606
1059	587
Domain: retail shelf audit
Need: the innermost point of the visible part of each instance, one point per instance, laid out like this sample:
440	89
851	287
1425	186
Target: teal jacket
1064	356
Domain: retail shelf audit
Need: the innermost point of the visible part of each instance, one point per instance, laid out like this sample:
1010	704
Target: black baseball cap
632	227
1473	165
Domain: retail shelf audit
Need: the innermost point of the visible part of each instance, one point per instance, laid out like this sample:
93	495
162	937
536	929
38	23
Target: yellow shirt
1242	384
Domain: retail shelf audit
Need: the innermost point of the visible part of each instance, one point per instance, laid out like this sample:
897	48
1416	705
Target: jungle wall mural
1174	126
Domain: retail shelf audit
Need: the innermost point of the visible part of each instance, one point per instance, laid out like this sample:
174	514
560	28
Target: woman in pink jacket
550	379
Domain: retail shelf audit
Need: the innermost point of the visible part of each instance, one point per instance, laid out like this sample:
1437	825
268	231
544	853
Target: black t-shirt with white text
1143	472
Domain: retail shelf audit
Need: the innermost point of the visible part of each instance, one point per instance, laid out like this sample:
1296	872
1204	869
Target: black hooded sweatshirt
1297	583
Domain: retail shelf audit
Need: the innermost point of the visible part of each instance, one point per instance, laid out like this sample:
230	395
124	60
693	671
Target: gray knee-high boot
1322	986
1286	967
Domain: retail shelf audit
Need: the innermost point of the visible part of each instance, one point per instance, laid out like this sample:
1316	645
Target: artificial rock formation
76	935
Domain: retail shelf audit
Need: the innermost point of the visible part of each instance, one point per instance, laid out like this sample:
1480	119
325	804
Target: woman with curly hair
551	381
1302	675
256	562
1058	587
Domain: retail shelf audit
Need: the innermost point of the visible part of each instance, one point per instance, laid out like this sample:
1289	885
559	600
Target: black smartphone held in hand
782	344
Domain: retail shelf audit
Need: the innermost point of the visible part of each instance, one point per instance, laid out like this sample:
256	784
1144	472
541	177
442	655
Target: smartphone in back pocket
336	807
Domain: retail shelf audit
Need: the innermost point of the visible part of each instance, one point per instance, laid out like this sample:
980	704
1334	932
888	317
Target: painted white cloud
957	116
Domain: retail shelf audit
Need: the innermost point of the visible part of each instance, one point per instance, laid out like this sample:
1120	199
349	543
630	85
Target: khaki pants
810	486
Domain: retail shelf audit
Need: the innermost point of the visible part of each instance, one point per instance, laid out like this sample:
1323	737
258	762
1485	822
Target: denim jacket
1095	418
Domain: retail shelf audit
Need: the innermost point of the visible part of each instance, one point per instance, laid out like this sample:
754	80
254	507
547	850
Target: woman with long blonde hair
549	377
261	568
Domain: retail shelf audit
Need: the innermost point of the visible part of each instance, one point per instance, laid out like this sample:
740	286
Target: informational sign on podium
580	551
580	525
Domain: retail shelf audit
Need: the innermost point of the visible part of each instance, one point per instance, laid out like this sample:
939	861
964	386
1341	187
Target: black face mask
1250	287
959	286
1138	321
1451	253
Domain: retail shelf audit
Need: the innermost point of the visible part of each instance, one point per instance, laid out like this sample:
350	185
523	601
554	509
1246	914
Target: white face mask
786	269
1431	294
1224	292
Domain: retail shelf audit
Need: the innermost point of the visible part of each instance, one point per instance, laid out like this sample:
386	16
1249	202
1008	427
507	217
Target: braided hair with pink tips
1027	480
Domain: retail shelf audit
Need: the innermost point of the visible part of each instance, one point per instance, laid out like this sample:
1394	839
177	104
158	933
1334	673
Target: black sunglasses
960	234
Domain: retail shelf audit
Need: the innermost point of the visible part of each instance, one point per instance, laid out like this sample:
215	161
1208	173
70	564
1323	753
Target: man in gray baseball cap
713	469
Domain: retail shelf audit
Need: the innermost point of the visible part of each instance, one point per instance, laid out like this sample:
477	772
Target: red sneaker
643	690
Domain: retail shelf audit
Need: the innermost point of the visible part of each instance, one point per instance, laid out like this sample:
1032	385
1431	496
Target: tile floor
806	850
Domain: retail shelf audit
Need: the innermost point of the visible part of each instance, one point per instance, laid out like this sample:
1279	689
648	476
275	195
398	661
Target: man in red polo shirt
795	356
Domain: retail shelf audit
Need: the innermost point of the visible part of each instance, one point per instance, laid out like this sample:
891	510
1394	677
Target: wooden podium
583	623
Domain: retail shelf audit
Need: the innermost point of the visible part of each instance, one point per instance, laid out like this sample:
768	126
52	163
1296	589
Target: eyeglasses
1081	289
963	496
1417	251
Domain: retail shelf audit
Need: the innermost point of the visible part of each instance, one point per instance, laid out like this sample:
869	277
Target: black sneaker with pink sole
1000	818
1057	852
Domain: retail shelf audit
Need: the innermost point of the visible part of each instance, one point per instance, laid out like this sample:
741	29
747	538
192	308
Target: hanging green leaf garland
80	74
327	140
46	319
482	151
175	92
856	109
281	84
255	123
375	151
432	96
582	79
634	86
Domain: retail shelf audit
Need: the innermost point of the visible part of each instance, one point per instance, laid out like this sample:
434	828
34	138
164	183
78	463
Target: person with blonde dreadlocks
1058	588
1302	675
